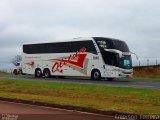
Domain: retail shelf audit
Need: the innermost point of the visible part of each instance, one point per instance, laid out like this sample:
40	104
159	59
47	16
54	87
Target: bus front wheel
95	75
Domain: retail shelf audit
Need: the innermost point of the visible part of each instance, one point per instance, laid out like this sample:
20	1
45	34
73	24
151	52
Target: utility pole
139	63
156	62
147	62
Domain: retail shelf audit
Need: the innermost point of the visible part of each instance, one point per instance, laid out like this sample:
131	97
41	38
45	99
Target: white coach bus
96	57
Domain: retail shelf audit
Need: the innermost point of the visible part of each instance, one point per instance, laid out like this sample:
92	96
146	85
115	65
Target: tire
15	72
38	73
47	73
110	79
95	75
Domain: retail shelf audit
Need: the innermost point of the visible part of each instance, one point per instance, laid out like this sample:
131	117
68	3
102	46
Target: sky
135	21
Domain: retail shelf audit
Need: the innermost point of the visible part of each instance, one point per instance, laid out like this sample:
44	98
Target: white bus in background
96	57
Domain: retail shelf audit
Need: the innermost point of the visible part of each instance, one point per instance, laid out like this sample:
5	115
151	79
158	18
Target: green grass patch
101	97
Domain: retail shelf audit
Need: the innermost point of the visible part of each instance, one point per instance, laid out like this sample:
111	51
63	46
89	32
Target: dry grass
147	71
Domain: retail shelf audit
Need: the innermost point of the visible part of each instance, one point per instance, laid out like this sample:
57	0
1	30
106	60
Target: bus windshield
107	43
125	62
111	58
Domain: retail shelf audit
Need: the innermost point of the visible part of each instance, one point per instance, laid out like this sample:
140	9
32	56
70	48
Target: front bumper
126	73
117	72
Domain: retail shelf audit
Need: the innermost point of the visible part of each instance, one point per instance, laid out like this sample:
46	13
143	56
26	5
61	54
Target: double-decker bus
95	57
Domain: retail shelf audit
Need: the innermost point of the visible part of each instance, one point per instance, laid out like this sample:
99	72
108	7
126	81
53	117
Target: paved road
18	111
136	82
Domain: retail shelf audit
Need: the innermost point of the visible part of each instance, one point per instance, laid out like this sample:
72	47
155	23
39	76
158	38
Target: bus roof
72	39
63	40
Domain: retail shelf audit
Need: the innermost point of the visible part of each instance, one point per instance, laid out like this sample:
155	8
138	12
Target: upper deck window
59	47
107	43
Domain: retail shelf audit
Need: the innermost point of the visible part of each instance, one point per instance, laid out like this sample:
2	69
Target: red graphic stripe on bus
76	59
78	62
31	64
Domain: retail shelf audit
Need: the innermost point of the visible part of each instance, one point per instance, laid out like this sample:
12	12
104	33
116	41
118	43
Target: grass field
101	97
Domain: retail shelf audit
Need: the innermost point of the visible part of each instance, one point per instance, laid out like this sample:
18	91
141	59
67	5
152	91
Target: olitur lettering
58	65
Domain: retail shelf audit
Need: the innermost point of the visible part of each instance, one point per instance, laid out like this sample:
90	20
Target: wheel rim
38	73
47	74
96	75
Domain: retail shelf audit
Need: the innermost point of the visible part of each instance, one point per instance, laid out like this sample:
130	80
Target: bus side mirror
135	55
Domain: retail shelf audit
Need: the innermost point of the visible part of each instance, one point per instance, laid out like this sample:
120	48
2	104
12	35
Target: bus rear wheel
95	75
38	73
47	73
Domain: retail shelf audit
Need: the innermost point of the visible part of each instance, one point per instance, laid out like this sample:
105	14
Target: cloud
136	22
